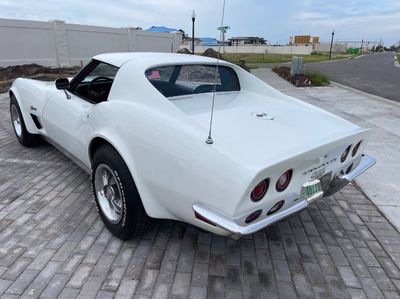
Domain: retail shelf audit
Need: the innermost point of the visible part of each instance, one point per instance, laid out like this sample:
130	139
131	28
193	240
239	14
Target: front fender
29	124
31	97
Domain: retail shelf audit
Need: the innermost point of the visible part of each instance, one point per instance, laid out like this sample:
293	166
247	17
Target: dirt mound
184	51
210	53
299	80
33	71
27	70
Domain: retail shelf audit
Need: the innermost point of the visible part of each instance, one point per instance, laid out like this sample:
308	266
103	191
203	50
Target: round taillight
284	180
349	169
259	190
253	216
345	154
276	207
355	149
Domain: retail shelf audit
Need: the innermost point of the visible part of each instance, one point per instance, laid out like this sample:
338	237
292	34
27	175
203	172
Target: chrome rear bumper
342	180
237	230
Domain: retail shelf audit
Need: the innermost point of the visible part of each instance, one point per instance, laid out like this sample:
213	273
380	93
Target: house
208	41
303	40
201	41
188	41
161	29
246	40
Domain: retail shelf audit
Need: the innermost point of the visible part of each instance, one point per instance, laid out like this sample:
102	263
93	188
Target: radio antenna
221	30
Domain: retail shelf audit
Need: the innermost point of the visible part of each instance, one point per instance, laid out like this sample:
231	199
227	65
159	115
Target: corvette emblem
262	115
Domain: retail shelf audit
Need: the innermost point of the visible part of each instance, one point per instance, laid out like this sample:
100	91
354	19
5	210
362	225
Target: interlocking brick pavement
52	243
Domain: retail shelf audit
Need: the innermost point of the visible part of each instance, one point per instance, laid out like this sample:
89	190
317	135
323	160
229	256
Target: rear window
177	80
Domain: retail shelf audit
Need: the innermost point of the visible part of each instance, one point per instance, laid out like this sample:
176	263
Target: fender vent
36	121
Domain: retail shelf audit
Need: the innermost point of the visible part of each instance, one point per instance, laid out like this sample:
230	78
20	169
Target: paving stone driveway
52	243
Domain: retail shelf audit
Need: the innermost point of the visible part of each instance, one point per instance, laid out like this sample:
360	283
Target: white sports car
139	122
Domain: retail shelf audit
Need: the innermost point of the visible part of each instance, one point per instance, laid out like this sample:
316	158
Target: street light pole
330	49
193	19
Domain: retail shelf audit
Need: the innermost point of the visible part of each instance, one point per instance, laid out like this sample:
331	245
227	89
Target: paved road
52	243
374	73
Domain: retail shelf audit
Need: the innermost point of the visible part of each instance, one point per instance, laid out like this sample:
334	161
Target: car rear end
290	185
279	152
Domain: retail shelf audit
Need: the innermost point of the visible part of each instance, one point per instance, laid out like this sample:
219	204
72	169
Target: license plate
312	190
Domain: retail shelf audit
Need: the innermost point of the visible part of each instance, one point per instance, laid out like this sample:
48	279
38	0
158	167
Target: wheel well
11	93
95	144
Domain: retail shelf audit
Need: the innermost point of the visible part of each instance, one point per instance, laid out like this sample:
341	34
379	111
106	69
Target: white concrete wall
296	50
56	43
144	41
86	41
26	42
336	48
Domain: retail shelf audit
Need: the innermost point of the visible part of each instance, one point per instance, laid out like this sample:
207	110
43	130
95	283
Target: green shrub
317	78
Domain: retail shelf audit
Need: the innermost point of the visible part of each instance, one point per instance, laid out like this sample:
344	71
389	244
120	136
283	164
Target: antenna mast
221	29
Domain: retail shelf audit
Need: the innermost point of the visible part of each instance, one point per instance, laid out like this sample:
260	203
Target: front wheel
116	196
24	137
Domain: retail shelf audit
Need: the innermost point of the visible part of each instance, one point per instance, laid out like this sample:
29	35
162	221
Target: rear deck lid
261	129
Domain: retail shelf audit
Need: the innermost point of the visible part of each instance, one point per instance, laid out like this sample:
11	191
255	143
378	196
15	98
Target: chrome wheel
16	120
108	193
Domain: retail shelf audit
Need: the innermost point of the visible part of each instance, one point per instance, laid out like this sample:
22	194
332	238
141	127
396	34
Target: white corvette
139	122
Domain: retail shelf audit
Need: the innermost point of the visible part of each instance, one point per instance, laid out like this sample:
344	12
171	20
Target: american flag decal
155	74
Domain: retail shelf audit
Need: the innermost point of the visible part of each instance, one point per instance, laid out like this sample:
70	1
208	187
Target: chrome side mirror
62	83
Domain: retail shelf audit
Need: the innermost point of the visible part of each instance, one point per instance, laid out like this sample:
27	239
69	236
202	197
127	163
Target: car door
67	112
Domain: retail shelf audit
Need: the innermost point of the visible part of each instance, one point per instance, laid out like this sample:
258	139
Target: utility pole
362	45
330	49
223	42
193	19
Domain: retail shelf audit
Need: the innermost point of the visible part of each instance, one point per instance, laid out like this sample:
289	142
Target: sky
275	20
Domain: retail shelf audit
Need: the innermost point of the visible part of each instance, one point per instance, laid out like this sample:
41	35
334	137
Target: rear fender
150	204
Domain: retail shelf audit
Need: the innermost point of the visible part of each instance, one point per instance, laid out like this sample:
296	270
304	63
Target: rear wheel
116	196
24	137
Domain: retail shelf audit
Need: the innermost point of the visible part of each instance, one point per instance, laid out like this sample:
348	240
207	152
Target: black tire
134	220
24	137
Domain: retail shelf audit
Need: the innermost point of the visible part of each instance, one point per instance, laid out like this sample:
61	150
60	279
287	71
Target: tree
379	48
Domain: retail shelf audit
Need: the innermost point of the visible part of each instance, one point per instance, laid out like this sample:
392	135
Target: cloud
354	21
273	20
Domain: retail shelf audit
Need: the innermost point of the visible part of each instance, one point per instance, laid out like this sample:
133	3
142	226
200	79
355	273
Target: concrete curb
387	101
359	56
373	200
270	65
335	60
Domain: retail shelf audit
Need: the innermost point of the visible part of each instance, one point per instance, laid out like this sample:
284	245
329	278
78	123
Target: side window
177	80
95	84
